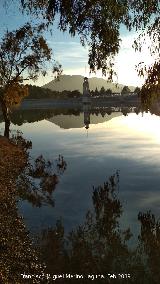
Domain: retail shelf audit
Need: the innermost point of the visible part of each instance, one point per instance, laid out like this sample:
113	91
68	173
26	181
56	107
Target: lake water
129	144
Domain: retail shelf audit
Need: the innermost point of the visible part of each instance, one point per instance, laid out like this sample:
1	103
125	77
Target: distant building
86	92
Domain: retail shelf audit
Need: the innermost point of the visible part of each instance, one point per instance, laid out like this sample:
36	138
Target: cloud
70	54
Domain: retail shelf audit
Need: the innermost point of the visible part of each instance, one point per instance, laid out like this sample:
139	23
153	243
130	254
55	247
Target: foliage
35	92
145	18
23	56
101	93
96	22
102	90
24	53
137	90
125	90
108	92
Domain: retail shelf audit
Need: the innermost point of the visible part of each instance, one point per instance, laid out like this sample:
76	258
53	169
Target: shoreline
74	103
17	253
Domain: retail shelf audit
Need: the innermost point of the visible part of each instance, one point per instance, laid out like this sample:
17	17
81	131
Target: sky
73	57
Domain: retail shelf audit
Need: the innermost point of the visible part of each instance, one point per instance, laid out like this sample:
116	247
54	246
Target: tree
102	91
108	92
23	56
125	90
76	94
96	92
97	23
146	19
137	90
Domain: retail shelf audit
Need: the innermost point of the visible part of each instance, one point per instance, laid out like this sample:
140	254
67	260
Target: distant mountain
75	82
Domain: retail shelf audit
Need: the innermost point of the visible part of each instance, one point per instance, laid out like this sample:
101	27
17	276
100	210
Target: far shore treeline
35	92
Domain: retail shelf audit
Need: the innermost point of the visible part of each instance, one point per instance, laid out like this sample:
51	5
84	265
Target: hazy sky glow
73	57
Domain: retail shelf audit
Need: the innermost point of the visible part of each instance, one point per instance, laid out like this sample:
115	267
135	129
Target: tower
86	92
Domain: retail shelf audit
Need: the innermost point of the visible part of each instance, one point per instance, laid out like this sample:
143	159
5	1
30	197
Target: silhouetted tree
125	90
108	92
137	90
96	92
102	91
23	56
98	23
146	19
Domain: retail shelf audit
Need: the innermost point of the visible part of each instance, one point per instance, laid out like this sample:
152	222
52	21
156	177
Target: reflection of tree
99	246
22	116
149	245
125	111
37	182
150	103
39	179
18	257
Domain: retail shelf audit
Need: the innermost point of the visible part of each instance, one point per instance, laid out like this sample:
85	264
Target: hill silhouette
75	82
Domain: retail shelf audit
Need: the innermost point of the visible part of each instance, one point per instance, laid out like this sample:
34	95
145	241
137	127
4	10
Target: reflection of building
86	110
86	92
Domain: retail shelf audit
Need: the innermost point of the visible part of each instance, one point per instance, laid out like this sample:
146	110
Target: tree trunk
7	130
5	112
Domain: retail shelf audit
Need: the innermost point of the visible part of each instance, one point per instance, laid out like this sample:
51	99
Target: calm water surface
130	144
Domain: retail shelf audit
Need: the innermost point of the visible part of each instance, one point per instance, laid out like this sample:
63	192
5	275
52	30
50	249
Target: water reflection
103	243
39	178
74	118
130	144
100	247
86	109
28	114
96	250
95	247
